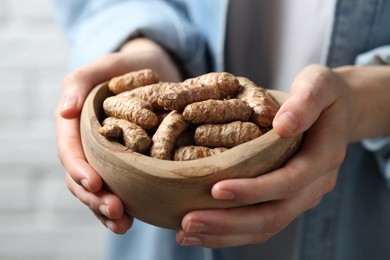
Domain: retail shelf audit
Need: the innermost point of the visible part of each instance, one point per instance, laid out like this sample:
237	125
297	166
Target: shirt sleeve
379	146
97	27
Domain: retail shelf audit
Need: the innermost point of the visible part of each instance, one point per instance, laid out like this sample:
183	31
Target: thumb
77	85
294	117
312	93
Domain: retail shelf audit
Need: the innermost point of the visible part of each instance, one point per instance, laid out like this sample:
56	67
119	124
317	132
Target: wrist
369	92
140	44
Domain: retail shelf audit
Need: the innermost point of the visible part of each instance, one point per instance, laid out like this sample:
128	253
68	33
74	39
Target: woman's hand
81	178
328	105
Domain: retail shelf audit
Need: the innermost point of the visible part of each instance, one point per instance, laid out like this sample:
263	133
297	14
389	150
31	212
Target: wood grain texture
161	192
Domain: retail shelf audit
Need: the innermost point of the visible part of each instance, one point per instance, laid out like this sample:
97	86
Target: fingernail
191	241
69	101
110	224
288	121
104	210
85	184
224	195
196	227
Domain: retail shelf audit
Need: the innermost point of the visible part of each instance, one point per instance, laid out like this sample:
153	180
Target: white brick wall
39	218
28	10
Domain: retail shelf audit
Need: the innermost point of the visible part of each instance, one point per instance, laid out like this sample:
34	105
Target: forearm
369	99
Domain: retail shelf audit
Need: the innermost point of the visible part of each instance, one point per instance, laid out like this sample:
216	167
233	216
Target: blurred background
39	218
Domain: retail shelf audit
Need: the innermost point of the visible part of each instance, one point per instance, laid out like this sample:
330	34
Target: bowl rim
175	169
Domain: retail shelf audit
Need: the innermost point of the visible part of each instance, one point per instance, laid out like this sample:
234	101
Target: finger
219	241
138	54
279	184
251	222
106	207
101	202
77	85
118	226
312	92
322	151
71	154
269	217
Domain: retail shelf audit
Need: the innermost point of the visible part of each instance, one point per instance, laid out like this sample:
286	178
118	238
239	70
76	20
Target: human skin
330	105
81	179
333	108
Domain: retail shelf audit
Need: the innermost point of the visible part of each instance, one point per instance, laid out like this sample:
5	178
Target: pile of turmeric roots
196	118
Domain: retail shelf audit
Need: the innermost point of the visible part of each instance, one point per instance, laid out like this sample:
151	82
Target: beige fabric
286	34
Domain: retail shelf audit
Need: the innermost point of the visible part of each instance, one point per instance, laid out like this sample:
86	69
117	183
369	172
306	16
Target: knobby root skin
111	130
215	85
133	109
189	120
134	137
227	83
226	135
264	107
217	111
186	153
151	92
166	135
132	80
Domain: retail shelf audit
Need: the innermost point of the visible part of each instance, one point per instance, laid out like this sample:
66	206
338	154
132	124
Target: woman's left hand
320	106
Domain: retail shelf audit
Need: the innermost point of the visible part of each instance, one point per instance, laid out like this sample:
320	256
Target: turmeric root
215	85
217	111
225	82
264	107
150	93
186	153
165	137
133	109
133	136
226	135
111	130
132	80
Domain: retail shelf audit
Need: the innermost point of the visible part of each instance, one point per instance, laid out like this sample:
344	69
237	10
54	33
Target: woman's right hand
82	180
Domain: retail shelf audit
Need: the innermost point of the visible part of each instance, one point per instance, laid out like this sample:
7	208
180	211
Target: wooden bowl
161	192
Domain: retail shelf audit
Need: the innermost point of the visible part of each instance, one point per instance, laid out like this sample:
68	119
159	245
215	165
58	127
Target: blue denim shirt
352	221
